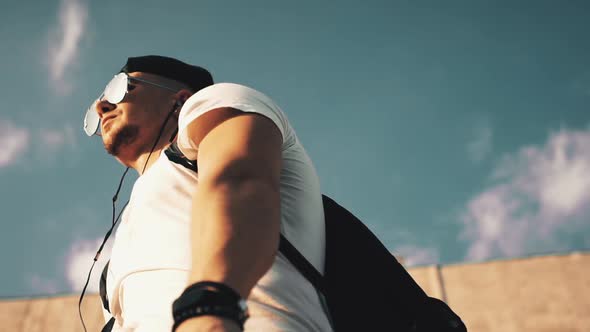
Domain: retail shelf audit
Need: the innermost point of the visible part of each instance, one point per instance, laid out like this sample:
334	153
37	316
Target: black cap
194	76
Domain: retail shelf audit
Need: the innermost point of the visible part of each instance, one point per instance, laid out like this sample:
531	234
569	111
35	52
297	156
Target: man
219	224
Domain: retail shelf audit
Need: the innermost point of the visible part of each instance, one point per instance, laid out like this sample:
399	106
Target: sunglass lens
116	89
91	120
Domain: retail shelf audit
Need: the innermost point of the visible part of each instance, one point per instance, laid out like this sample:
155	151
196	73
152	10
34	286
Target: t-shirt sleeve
226	95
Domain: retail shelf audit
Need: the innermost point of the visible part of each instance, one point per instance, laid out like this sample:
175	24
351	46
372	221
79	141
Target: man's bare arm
236	205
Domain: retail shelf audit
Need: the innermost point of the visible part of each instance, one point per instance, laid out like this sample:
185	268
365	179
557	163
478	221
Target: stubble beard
122	137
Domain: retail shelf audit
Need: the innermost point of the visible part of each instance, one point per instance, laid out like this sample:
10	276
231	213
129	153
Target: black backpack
364	286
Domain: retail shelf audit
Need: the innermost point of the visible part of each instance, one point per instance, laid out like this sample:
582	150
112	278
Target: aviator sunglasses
114	93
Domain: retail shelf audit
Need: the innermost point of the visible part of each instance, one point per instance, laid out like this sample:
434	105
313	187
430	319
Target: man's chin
116	141
111	149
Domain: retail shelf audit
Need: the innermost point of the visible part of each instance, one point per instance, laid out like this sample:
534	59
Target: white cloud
48	142
43	286
79	261
13	143
64	41
539	192
481	146
53	140
411	255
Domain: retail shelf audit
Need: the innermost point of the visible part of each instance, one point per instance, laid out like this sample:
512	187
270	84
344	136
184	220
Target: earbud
177	107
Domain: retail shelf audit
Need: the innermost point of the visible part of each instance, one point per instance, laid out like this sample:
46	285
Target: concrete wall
50	314
540	294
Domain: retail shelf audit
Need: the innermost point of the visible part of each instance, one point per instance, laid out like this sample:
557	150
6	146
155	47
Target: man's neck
142	161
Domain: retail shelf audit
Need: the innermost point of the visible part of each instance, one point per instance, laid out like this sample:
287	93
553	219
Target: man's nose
103	106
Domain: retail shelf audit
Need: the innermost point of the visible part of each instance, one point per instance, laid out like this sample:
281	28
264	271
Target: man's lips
106	119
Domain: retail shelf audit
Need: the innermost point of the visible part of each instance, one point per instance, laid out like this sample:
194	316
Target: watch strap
209	298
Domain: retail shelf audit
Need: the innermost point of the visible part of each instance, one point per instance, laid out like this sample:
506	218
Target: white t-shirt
151	255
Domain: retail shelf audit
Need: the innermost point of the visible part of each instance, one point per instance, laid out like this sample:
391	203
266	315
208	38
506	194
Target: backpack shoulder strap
176	156
102	287
109	325
302	264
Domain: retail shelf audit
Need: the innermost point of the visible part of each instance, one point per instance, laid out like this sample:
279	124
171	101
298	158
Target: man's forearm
235	231
234	234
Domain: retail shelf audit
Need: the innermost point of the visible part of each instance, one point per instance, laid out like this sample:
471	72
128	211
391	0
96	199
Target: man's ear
182	95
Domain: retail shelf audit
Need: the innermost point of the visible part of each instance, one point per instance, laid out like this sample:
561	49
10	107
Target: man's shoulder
237	96
229	91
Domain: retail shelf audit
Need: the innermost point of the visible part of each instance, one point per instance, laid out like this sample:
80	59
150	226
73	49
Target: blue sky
459	132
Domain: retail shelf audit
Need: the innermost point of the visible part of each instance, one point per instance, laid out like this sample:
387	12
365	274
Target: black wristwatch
209	298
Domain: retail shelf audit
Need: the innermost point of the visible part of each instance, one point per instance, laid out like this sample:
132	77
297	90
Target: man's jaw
119	140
